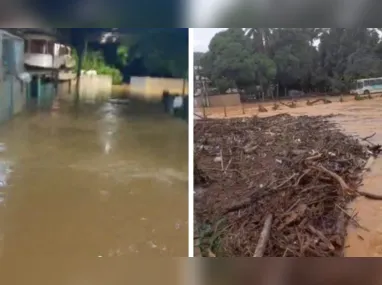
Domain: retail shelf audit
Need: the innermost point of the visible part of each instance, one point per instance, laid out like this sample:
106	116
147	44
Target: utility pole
184	87
81	59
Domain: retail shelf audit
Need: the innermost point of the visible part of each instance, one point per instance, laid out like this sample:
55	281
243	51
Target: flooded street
97	184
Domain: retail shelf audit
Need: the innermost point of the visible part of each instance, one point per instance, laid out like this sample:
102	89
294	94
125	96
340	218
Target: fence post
277	91
39	91
243	108
185	108
11	107
225	111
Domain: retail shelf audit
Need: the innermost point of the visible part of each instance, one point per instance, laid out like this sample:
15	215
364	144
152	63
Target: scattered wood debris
283	188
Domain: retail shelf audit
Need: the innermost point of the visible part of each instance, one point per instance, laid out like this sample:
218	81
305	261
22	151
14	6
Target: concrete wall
153	87
92	88
5	103
19	96
220	100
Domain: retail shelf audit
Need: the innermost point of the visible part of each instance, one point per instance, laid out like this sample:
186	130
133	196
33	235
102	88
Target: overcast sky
203	36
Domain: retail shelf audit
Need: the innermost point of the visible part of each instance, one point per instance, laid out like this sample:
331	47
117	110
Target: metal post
184	87
38	83
278	91
81	59
11	109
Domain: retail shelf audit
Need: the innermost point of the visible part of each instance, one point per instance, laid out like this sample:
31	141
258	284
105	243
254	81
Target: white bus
367	86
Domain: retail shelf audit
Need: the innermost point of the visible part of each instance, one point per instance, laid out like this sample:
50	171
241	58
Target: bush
95	61
115	74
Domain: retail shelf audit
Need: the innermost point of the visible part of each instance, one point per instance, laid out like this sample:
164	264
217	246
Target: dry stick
221	161
244	204
291	207
345	187
368	164
286	251
197	115
352	218
313	157
301	176
264	236
286	181
370	195
249	148
229	162
368	137
322	237
339	179
210	253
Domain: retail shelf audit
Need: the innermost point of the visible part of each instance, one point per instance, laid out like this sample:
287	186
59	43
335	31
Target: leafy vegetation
308	59
161	52
94	60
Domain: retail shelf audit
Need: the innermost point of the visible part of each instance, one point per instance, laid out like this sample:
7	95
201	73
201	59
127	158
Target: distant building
44	50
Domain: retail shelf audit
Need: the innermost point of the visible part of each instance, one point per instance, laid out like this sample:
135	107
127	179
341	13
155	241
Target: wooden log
262	109
264	237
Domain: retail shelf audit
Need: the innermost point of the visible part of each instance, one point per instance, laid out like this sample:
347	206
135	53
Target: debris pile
276	186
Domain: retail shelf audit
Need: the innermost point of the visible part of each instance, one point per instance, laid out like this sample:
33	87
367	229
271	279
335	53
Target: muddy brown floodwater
88	188
360	118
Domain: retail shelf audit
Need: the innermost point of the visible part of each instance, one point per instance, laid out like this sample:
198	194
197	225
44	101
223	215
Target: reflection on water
99	182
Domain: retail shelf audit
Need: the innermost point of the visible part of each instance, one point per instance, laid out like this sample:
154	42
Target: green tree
197	57
123	54
348	54
322	59
94	60
231	62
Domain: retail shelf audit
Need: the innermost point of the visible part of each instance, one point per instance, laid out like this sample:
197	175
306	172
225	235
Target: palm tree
260	37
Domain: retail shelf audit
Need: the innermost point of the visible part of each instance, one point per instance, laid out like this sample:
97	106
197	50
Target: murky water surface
91	187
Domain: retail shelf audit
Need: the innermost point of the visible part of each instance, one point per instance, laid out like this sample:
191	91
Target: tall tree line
308	59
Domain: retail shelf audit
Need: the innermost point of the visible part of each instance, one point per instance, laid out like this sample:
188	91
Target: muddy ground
251	109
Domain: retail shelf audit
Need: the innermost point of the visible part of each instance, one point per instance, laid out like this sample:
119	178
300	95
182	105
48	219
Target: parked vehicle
367	86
